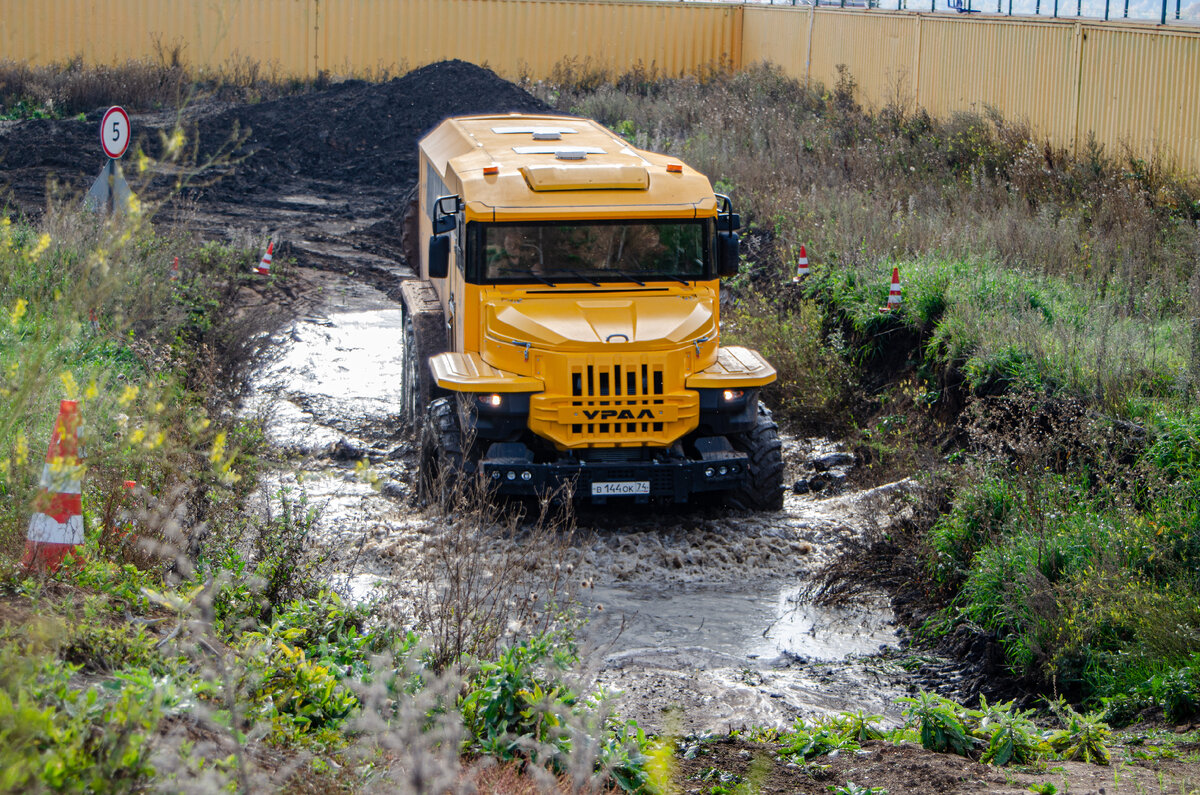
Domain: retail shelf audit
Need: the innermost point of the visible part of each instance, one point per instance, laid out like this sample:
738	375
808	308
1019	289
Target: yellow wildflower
18	312
42	244
129	395
69	386
93	391
218	448
21	451
175	142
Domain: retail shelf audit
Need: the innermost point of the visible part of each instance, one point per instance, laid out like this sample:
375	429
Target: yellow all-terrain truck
564	326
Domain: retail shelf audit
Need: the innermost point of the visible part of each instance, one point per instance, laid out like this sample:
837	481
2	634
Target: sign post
110	190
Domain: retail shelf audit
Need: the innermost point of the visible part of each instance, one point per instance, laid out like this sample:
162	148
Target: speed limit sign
114	132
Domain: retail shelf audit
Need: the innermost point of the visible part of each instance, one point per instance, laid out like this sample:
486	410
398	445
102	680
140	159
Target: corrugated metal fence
1131	84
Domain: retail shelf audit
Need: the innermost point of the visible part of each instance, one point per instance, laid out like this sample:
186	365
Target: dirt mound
364	133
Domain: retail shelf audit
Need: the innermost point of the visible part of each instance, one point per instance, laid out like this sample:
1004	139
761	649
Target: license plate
619	488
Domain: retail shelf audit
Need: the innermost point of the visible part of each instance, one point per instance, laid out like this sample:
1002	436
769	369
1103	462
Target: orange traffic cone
175	270
801	265
264	266
893	301
56	526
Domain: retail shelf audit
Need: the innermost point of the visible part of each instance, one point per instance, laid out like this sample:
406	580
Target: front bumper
673	480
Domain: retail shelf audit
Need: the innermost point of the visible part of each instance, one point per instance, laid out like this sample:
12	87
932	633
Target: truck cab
563	328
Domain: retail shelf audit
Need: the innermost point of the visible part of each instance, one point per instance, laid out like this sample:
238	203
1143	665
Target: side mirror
443	218
439	256
728	250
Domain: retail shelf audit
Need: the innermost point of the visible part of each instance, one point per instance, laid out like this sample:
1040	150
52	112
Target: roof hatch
586	176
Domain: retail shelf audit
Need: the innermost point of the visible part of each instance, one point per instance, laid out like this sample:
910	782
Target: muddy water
697	619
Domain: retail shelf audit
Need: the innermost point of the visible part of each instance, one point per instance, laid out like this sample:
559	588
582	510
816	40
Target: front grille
630	388
632	400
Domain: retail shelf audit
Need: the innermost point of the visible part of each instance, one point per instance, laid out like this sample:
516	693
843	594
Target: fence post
1080	38
917	66
812	12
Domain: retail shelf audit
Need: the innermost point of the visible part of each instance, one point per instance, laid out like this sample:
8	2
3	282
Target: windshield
594	251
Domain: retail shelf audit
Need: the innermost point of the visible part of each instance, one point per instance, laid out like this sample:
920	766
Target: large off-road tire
442	472
763	490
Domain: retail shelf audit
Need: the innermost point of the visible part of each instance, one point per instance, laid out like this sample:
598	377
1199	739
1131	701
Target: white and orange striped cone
264	265
175	270
894	299
93	321
801	266
56	527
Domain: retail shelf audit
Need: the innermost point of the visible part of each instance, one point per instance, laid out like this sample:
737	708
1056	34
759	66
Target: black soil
361	135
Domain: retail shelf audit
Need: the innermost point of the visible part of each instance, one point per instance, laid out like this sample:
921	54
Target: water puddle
763	623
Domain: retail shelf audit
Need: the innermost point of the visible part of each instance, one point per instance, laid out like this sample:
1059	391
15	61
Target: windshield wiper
583	278
631	278
546	282
679	279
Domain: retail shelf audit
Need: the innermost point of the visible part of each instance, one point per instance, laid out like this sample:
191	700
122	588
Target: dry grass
162	82
809	165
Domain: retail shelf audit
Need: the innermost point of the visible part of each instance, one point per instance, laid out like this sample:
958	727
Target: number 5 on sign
114	132
110	192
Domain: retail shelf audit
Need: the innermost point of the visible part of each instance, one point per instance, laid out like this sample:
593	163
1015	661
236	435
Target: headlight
731	395
492	401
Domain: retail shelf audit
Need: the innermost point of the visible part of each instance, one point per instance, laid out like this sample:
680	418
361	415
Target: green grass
1000	329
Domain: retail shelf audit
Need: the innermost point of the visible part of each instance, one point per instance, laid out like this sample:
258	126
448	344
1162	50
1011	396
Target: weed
1011	736
1081	737
854	789
940	723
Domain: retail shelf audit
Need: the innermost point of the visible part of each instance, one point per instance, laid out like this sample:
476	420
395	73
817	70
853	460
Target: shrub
61	738
812	387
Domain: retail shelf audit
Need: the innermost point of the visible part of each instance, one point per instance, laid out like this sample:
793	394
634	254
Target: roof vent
555	150
532	129
547	135
571	154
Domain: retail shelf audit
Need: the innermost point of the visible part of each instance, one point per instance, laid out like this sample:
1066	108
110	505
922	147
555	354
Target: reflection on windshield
587	252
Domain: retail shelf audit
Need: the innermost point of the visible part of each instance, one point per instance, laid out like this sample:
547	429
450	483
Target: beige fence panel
526	37
1142	90
110	31
1028	71
778	35
878	50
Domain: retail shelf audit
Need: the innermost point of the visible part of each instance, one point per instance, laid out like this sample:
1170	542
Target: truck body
564	326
